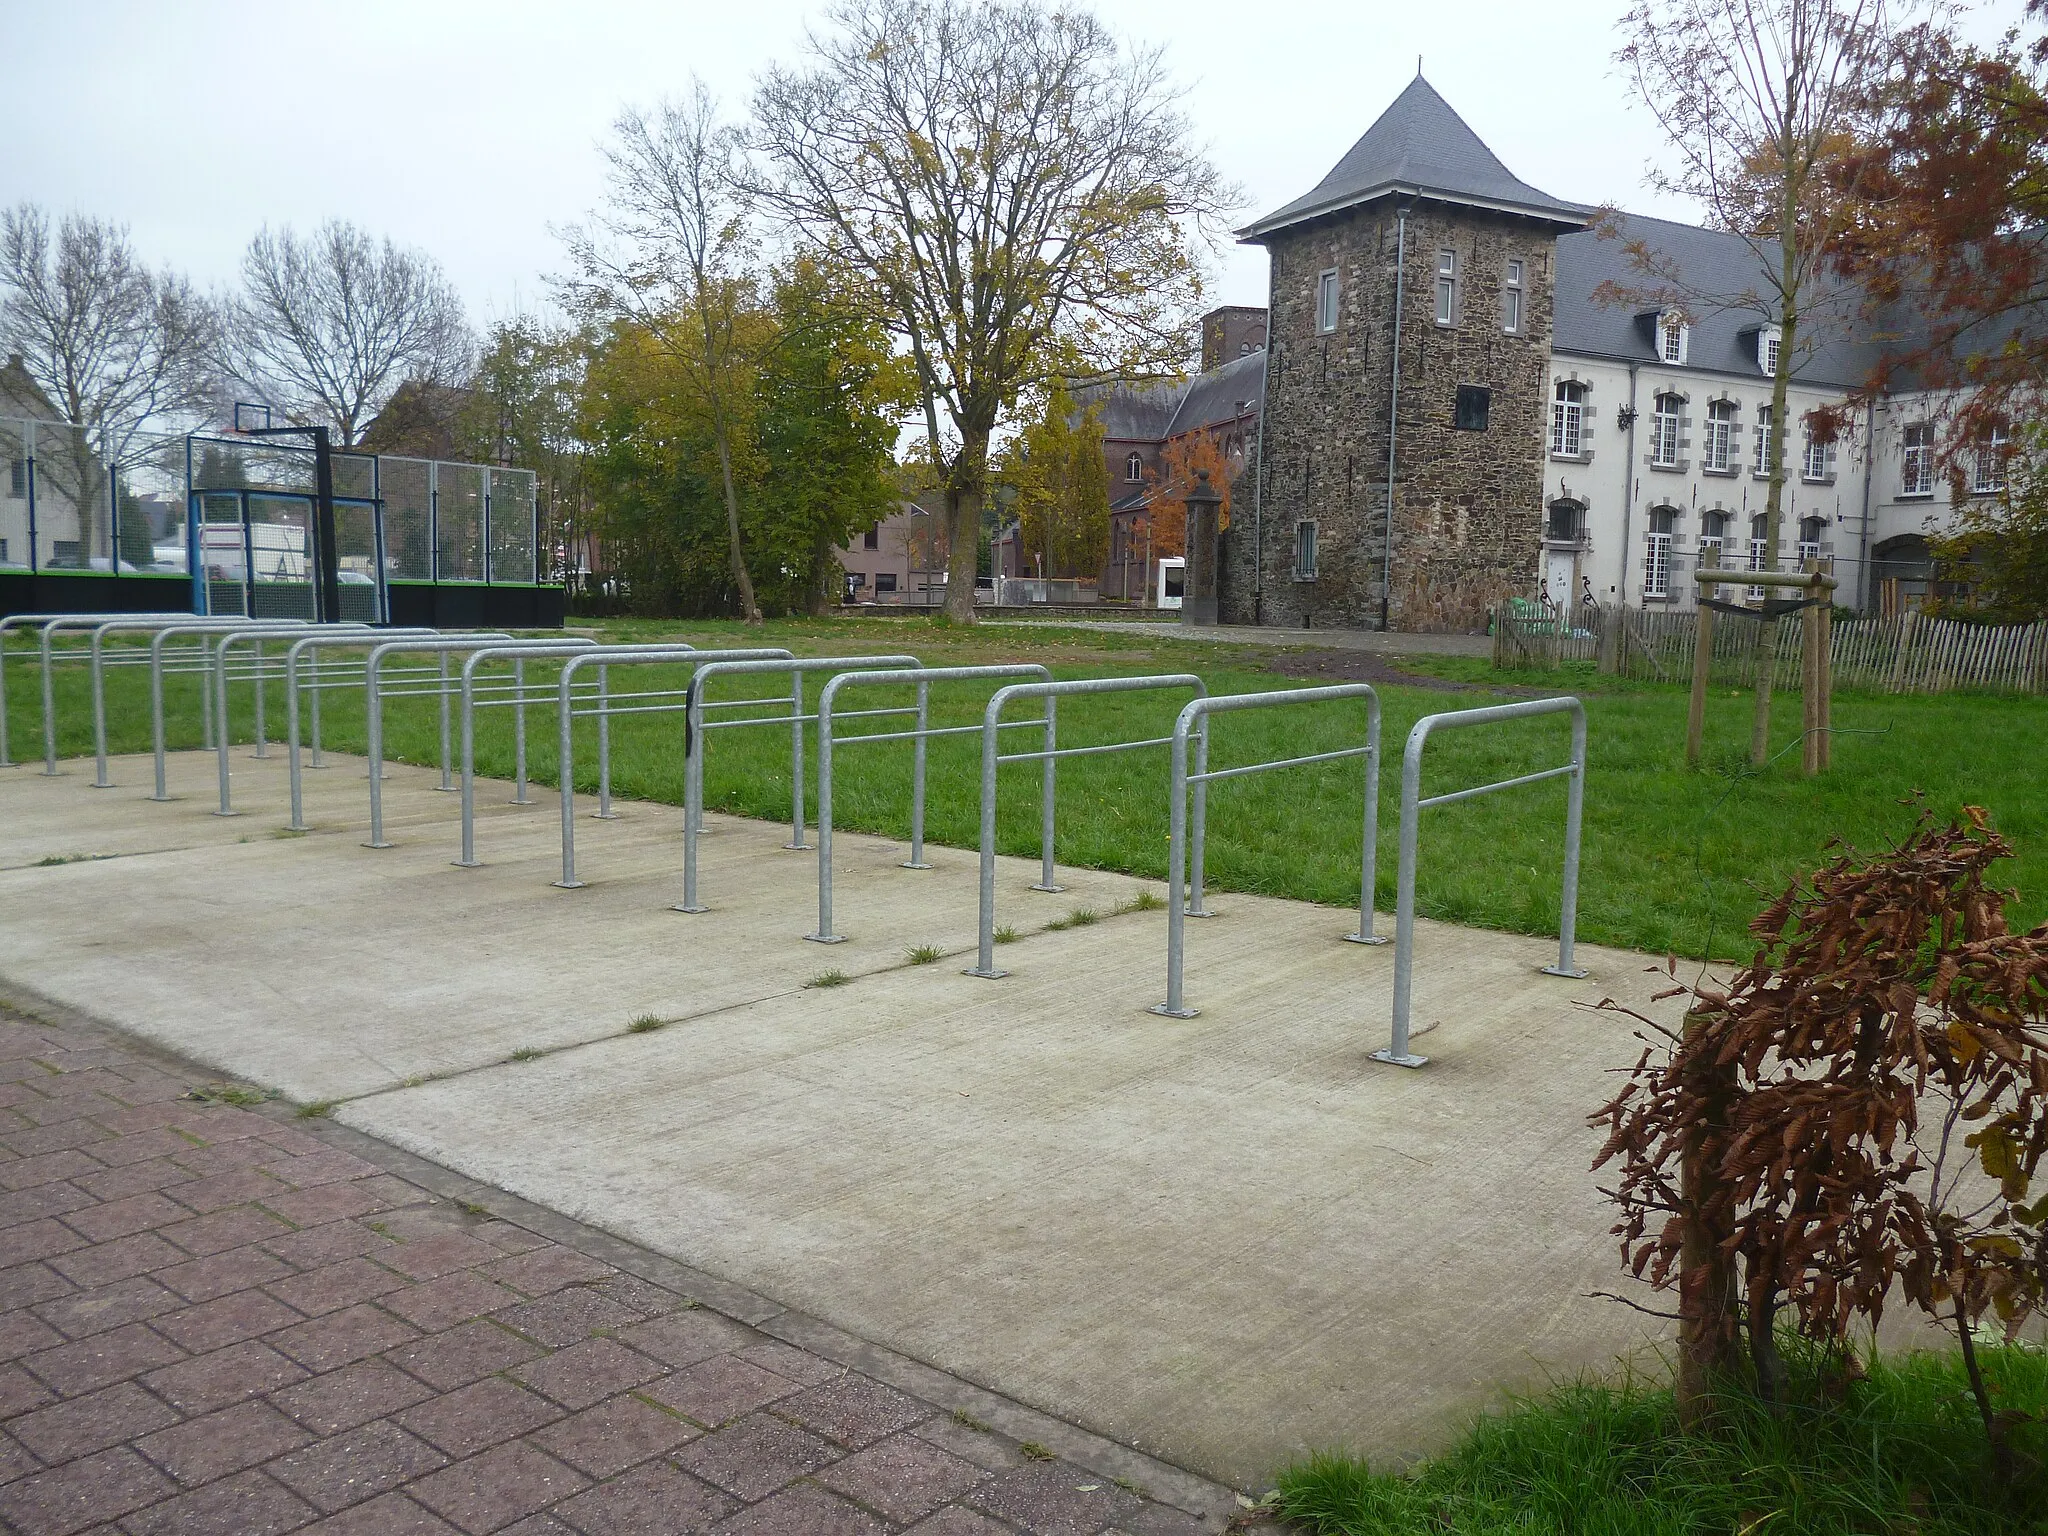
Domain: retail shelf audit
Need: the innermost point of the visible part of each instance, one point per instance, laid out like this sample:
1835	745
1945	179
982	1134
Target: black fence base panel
476	607
413	605
91	592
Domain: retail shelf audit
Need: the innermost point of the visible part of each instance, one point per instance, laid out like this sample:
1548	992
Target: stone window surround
1585	453
1926	493
1680	465
1310	526
1734	468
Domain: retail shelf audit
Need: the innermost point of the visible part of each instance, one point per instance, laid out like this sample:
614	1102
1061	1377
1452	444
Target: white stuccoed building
1655	459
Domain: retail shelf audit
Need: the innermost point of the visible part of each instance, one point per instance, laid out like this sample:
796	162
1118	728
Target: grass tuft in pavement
1904	1451
527	1053
647	1023
924	954
832	978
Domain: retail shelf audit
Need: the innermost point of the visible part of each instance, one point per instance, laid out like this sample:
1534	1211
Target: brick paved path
219	1319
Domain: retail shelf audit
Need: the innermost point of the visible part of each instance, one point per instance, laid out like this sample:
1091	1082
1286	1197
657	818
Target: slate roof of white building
1708	262
1420	147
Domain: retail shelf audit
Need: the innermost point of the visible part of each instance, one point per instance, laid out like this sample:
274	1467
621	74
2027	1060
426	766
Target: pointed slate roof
1421	148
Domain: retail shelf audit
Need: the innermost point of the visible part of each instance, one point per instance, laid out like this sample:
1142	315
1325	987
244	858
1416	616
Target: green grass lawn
1904	1451
1674	859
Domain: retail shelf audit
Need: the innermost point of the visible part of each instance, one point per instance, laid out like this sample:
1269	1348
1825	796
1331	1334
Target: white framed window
1768	341
1664	431
1305	549
1764	431
1713	538
1916	469
1671	337
1987	474
1819	462
1326	302
1446	287
1812	535
1657	552
1568	419
1759	548
1716	453
1511	298
1134	468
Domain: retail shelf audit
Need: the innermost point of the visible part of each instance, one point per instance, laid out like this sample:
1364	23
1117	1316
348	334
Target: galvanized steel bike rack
695	726
1412	804
206	632
23	621
1175	1006
519	653
441	649
310	648
567	715
140	626
49	632
991	760
923	678
255	636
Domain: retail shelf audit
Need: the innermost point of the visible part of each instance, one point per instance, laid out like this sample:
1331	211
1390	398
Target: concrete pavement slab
1224	1240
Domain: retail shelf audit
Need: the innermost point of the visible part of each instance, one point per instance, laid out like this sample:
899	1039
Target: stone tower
1422	208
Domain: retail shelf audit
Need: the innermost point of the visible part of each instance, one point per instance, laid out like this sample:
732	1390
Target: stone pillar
1198	600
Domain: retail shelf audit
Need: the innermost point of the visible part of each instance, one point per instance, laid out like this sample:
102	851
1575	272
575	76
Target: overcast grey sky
469	128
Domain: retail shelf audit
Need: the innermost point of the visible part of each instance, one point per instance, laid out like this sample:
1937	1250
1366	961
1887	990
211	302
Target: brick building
1141	424
1410	289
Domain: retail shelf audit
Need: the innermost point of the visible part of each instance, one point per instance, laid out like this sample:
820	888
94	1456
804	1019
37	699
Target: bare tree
1761	102
670	255
108	342
1022	188
327	327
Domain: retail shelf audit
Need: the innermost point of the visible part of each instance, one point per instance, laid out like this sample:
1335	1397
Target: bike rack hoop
1413	803
992	759
1193	722
923	677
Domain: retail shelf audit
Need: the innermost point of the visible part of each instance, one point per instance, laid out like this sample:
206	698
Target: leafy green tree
1022	187
672	253
827	402
1062	487
653	480
524	408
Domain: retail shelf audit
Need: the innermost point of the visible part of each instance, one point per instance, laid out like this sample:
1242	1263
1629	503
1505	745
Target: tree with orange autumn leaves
1181	462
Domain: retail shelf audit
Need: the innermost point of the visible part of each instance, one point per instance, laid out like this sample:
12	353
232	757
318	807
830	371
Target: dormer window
1672	335
1768	339
1134	468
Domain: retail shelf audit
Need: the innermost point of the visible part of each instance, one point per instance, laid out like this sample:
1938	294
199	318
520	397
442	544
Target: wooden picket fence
1907	654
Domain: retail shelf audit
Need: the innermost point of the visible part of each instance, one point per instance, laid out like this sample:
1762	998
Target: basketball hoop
250	417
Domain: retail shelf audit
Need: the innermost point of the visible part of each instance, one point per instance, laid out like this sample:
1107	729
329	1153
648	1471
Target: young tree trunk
1781	432
1994	1428
1706	1332
749	609
1761	1312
